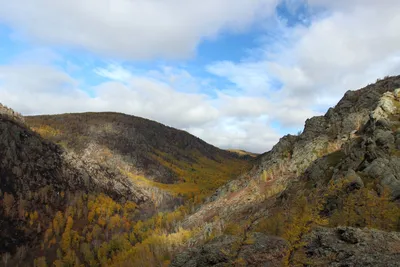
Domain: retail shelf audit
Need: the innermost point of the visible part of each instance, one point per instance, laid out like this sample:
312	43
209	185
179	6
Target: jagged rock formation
6	112
335	247
318	153
347	246
353	150
356	142
259	250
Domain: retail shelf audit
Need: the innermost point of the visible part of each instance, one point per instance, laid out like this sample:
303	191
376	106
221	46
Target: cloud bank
304	69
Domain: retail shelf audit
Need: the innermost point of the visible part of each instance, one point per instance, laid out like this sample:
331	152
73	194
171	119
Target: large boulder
387	171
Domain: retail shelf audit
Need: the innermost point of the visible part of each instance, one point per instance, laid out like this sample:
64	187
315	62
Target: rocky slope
54	169
83	189
165	163
342	246
347	246
28	163
352	135
152	148
349	154
33	169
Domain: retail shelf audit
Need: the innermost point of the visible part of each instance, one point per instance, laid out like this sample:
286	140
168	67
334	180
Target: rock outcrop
333	247
346	246
359	134
258	250
10	114
356	142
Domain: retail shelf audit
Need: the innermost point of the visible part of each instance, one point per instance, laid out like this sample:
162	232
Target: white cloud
149	98
227	122
306	71
114	72
248	76
243	106
132	29
57	92
352	44
253	134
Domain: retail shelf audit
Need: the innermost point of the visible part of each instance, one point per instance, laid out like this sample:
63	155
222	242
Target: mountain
92	170
342	170
154	149
108	189
146	151
243	153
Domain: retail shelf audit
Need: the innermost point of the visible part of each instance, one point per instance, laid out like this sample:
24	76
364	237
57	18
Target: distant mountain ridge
154	149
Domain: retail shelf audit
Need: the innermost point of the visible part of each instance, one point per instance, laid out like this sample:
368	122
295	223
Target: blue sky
239	74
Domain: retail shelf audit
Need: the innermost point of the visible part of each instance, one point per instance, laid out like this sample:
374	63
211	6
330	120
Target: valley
109	189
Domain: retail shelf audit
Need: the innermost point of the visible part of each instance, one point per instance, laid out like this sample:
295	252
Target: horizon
238	75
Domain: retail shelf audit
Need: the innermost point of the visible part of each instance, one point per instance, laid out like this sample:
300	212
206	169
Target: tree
6	258
8	202
21	253
40	262
66	236
58	223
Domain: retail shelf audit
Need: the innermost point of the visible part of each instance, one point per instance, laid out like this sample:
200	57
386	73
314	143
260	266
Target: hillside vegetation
341	172
98	189
146	151
108	189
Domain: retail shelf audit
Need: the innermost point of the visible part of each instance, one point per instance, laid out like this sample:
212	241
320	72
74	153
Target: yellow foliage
33	217
113	237
202	177
46	131
293	221
8	202
233	229
365	208
40	262
66	238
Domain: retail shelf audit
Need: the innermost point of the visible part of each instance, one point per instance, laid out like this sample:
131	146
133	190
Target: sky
238	74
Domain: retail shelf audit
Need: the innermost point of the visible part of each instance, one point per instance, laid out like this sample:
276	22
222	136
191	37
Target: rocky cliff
349	155
342	246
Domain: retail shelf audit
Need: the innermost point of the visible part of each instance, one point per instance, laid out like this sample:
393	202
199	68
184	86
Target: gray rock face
351	135
264	251
357	141
215	253
346	246
354	179
28	163
10	114
341	124
372	153
388	172
259	250
384	139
